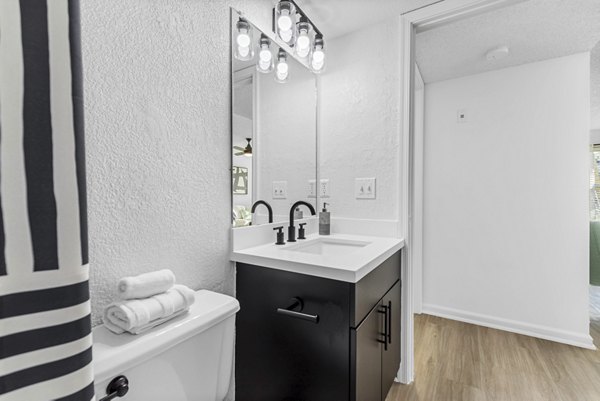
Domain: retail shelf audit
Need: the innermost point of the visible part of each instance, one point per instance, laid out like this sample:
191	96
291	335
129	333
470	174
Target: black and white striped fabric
45	330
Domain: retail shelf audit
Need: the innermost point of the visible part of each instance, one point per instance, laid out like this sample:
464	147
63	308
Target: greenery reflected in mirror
273	133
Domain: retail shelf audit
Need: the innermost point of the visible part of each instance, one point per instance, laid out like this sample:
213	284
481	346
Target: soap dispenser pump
324	221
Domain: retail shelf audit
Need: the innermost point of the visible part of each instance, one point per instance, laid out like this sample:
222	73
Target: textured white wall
360	133
157	92
506	198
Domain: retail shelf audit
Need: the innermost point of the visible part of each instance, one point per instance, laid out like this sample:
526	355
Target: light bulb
284	22
282	68
265	54
243	51
302	46
265	58
243	39
317	58
286	36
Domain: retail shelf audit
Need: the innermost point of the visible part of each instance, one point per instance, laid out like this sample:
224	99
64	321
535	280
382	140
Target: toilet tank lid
114	353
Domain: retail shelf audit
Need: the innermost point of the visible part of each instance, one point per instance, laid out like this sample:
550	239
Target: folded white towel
139	315
145	285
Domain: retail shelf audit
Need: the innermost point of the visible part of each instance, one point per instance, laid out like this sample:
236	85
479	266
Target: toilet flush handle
118	387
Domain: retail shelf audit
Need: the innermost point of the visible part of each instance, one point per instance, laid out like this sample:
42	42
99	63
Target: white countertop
350	266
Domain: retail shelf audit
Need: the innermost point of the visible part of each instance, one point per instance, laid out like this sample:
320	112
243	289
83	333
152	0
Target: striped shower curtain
45	333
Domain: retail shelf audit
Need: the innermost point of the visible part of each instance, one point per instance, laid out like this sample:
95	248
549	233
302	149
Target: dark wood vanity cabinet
339	341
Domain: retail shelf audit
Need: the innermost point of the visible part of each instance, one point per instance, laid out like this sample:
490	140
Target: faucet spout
291	228
269	208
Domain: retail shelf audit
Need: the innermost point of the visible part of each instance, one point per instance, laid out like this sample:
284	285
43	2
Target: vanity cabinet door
367	357
284	358
390	357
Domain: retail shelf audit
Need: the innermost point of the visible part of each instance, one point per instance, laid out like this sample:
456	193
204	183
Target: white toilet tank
189	358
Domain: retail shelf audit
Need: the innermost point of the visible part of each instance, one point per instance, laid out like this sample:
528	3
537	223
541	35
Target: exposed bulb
243	39
243	51
317	58
265	58
284	22
286	36
282	68
303	41
265	54
285	12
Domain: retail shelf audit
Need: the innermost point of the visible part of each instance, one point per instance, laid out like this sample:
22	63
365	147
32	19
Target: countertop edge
315	269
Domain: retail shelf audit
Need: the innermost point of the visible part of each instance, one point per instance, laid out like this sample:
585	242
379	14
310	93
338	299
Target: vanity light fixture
244	44
317	57
281	68
265	62
293	27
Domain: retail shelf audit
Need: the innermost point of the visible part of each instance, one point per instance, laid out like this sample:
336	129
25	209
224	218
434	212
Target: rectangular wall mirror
273	129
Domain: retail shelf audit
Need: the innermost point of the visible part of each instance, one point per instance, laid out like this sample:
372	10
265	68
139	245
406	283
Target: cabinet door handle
297	304
389	319
385	334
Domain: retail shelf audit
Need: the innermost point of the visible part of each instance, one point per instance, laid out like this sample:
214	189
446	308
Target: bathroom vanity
328	336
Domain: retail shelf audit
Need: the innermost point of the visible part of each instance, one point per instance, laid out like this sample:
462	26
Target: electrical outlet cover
364	188
279	189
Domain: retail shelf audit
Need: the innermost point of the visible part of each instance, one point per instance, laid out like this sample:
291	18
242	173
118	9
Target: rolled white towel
145	285
139	315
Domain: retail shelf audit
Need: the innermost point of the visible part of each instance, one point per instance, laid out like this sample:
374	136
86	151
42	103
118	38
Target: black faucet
269	208
291	228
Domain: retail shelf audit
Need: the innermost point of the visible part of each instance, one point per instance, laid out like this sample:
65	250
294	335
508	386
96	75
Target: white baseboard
513	326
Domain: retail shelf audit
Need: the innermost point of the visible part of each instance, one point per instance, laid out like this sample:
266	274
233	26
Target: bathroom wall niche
273	133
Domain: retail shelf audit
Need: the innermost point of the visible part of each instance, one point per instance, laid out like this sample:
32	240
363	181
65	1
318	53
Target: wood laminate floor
457	361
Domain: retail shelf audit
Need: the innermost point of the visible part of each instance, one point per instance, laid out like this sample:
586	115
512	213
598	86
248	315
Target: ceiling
533	30
339	17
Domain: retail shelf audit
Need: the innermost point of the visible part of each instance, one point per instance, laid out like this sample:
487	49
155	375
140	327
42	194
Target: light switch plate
364	188
279	189
312	188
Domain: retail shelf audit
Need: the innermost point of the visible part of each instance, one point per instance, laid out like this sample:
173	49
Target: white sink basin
328	246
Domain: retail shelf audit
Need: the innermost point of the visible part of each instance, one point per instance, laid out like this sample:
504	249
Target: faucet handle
280	237
301	231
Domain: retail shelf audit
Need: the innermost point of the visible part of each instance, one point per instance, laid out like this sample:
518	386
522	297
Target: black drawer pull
389	317
294	311
118	387
385	311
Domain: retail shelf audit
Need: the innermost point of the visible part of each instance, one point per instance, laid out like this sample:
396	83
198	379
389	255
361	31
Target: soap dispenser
324	221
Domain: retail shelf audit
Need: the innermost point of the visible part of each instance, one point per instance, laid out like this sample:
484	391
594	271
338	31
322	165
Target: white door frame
420	20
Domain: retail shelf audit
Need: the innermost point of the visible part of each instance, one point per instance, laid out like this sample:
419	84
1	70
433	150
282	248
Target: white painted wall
157	93
506	199
360	120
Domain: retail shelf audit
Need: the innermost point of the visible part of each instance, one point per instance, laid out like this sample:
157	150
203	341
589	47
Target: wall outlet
461	116
364	188
324	188
279	189
312	188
